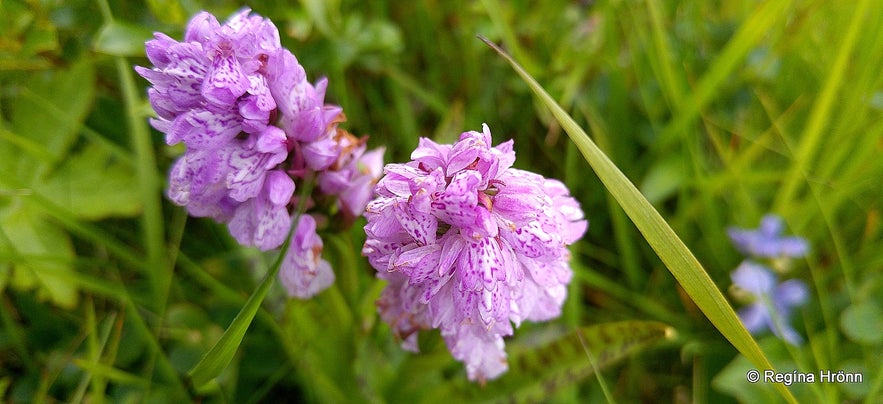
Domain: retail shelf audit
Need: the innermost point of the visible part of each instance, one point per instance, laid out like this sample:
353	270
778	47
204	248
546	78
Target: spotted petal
419	263
420	226
203	129
259	223
304	273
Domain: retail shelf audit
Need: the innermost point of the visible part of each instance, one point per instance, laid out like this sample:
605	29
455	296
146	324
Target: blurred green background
719	111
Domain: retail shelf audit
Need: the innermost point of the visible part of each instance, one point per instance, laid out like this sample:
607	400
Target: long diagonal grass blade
668	246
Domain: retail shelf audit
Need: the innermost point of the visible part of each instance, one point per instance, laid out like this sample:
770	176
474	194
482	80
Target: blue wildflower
767	241
772	301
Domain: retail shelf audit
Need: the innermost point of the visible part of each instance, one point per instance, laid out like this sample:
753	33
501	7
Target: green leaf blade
31	235
219	356
668	246
51	109
94	186
121	39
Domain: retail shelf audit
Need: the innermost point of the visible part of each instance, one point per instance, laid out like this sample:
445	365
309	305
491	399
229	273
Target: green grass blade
216	359
753	30
822	110
668	246
69	221
158	270
153	233
113	374
662	54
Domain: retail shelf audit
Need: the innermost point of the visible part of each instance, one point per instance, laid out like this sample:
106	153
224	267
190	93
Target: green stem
152	221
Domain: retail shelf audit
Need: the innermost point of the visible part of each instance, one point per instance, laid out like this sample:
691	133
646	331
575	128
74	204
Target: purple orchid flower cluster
770	302
470	245
254	130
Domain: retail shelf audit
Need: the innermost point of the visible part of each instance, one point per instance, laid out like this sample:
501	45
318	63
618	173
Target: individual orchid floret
470	246
302	111
352	175
771	302
767	241
304	273
263	221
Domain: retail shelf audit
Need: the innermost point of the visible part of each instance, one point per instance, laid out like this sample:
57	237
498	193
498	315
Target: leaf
40	39
862	322
191	332
15	18
46	115
536	373
216	359
663	179
733	378
28	234
92	185
857	391
121	39
168	11
49	111
113	374
668	246
28	36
